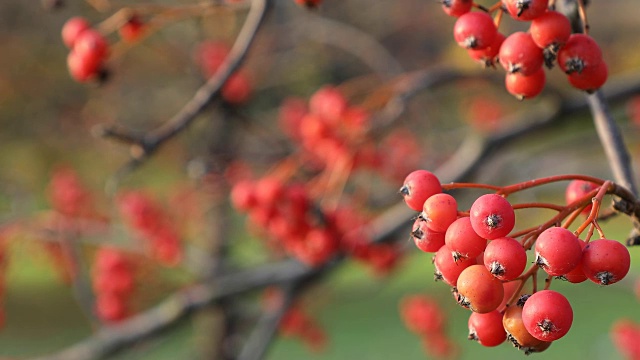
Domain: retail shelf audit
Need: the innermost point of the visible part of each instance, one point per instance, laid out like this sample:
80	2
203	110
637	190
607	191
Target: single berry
605	262
474	30
492	216
547	315
505	258
418	187
479	290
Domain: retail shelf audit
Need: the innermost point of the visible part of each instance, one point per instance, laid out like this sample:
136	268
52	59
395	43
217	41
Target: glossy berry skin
424	238
474	30
505	258
463	241
525	10
547	315
479	290
605	262
519	53
580	52
448	270
525	87
487	328
456	8
418	187
558	251
577	189
492	216
591	78
439	211
550	30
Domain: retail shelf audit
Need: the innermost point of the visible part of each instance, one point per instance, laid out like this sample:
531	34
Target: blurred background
47	120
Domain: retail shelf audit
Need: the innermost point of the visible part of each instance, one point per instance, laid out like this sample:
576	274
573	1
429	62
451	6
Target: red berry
83	68
91	44
474	30
577	275
605	262
525	86
328	103
580	52
525	10
426	239
439	211
132	29
547	315
489	55
479	290
577	189
591	78
492	216
517	333
418	187
456	8
505	258
558	251
550	30
237	89
519	53
448	270
422	315
463	241
72	29
487	328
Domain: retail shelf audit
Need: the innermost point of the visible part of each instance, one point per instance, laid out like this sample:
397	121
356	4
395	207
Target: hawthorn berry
439	211
463	241
525	10
474	30
479	290
487	328
505	258
605	262
558	251
492	216
418	186
547	315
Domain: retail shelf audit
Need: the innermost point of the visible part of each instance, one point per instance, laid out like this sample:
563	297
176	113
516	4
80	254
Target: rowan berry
479	290
605	262
558	251
418	187
446	268
505	258
547	315
426	239
456	8
525	10
439	211
487	328
474	30
492	216
463	241
72	29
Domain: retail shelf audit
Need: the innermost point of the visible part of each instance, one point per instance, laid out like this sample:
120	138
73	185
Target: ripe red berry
580	52
525	10
91	43
487	328
577	275
456	8
474	30
605	262
492	216
547	315
558	251
83	68
519	53
550	30
237	89
590	78
422	315
505	258
424	238
448	270
463	241
439	211
418	187
517	333
489	55
479	290
72	29
328	103
132	29
525	86
577	189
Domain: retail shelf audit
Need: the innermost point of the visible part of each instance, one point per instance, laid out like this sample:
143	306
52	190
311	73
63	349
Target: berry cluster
153	225
523	54
331	132
288	217
209	56
477	254
113	283
424	317
625	334
89	49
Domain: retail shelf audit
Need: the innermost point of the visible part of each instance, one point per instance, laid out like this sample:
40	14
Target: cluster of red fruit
89	49
424	317
475	255
332	133
625	334
296	323
523	54
209	56
153	225
288	217
113	283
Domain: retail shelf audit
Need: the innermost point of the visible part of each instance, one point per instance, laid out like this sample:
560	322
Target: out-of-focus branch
148	143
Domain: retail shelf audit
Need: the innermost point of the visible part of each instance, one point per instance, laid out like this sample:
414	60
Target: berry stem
593	215
538	205
582	12
507	190
452	186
